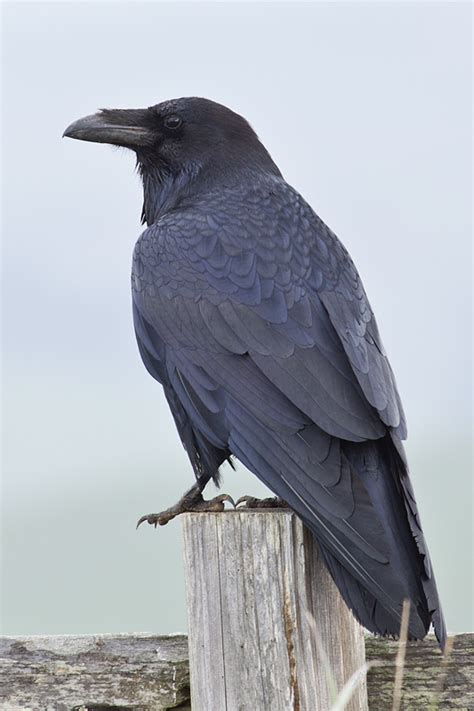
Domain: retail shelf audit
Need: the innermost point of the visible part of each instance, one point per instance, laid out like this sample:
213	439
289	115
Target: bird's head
181	134
181	145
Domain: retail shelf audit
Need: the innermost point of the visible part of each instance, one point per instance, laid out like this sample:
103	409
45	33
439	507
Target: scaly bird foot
191	502
273	502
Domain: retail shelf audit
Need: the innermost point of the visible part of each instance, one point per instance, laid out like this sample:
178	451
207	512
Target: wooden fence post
261	605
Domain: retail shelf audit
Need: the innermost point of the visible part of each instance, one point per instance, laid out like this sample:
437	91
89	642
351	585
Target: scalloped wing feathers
252	315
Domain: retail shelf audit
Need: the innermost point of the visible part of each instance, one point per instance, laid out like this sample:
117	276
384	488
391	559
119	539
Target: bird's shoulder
258	271
259	234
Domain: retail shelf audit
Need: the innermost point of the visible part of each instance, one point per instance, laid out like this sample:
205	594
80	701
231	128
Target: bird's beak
120	127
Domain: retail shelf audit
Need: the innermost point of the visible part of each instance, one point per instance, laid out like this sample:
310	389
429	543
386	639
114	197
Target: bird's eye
173	122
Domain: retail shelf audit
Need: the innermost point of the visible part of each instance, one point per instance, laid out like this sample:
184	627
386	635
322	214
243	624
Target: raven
251	314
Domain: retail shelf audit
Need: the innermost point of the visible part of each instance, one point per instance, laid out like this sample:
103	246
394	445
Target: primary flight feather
251	314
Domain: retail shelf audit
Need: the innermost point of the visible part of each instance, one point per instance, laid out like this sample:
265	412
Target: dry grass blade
351	685
400	660
339	699
443	671
328	673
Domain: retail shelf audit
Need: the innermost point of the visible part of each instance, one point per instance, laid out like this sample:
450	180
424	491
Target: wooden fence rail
147	672
265	625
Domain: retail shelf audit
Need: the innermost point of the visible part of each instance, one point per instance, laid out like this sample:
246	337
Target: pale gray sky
365	107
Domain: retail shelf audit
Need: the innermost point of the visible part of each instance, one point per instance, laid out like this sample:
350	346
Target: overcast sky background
366	110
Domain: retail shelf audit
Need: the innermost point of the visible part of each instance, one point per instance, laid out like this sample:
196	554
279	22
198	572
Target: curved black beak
120	127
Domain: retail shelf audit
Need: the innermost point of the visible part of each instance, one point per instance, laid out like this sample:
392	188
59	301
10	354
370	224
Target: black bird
251	314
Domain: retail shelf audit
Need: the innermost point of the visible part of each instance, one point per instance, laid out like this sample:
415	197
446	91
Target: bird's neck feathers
163	189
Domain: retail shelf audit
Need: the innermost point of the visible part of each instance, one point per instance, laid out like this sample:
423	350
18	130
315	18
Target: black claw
225	497
192	502
149	518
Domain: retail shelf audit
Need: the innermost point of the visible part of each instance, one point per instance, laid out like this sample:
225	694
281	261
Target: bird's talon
192	502
251	502
210	505
243	500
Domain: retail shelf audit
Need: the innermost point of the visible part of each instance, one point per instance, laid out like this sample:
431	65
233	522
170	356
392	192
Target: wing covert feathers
251	314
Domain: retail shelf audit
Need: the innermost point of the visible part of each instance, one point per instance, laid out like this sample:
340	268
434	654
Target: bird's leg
192	501
250	502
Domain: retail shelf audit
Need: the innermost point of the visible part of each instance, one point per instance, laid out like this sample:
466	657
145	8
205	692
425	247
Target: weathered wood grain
143	672
428	681
260	602
263	613
58	673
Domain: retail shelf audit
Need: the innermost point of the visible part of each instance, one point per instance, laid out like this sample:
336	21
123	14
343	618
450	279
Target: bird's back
252	315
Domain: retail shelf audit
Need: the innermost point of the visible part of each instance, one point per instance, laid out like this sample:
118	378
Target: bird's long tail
392	499
360	507
384	476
